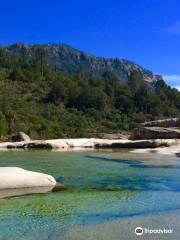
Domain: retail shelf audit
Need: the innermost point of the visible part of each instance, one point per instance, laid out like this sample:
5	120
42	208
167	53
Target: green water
101	190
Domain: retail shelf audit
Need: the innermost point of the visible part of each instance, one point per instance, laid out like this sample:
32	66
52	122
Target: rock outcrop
14	177
90	143
134	144
160	129
20	136
67	59
155	133
17	181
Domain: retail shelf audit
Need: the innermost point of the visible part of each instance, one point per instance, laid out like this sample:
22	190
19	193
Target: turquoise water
101	189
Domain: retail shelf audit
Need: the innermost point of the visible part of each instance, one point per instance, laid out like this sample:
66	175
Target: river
107	196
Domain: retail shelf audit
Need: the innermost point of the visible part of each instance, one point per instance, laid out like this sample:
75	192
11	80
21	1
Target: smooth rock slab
17	181
155	133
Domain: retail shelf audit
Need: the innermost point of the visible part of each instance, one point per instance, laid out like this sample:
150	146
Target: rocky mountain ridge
67	59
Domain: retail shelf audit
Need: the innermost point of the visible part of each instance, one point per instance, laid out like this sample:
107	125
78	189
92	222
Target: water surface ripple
103	189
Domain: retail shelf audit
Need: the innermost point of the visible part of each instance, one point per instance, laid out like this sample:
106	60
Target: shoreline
89	143
157	146
171	150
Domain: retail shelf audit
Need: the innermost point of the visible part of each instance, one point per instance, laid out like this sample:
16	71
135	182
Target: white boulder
17	181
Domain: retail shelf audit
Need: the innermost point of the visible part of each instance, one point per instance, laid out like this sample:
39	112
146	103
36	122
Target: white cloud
171	77
174	28
177	87
173	80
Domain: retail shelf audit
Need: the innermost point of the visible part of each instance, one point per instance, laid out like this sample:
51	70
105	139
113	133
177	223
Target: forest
46	103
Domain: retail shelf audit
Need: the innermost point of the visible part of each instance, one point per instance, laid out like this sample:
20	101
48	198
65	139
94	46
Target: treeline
45	103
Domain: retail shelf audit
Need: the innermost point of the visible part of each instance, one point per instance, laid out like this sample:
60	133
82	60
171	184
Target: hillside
54	91
64	58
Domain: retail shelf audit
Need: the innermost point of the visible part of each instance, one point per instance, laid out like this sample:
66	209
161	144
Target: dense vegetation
45	103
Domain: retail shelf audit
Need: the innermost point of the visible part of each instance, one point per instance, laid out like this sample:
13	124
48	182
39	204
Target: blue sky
145	31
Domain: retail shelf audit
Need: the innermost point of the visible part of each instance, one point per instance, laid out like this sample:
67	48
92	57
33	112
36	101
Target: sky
144	31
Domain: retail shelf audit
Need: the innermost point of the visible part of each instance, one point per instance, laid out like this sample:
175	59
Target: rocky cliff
67	59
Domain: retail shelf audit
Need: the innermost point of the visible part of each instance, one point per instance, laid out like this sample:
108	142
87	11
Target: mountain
55	91
67	59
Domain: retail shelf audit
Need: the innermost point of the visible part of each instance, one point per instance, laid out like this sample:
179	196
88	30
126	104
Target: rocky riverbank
158	134
93	143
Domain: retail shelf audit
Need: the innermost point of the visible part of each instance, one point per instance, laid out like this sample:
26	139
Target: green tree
40	58
135	81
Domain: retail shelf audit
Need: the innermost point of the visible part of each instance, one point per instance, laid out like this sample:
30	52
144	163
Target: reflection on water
101	189
23	191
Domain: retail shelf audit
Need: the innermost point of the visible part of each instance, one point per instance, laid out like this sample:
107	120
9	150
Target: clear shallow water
102	190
